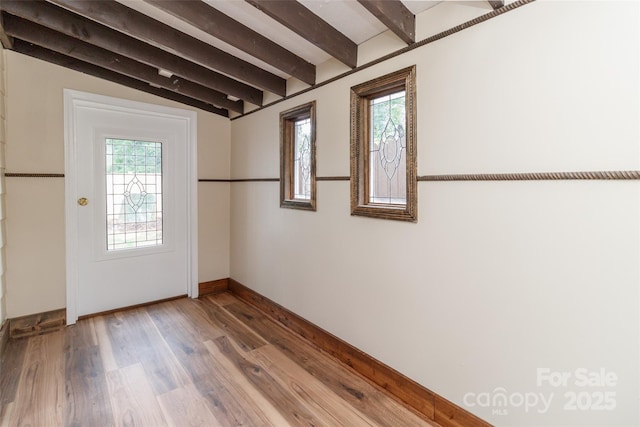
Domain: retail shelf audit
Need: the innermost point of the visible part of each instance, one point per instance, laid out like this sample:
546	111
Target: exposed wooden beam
5	40
221	26
73	25
496	4
47	55
50	39
139	25
305	23
395	15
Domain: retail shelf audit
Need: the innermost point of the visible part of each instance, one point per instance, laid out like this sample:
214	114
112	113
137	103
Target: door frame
74	99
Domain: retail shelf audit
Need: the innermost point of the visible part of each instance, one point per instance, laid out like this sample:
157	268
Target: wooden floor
215	361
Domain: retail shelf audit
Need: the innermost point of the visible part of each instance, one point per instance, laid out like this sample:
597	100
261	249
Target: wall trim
241	180
255	180
422	400
37	324
4	340
524	176
536	176
213	287
319	178
33	175
333	178
619	175
428	40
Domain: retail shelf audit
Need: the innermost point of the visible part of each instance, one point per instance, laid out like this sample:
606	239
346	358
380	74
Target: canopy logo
577	390
500	400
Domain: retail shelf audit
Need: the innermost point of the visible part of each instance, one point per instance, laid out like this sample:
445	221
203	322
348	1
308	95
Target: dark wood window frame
361	95
287	122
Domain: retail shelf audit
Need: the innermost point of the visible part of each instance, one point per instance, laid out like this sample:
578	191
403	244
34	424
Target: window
383	147
298	157
134	193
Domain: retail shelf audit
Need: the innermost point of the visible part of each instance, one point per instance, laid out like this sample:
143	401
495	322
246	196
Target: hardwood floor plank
133	401
11	370
222	299
295	412
309	389
106	352
182	337
176	370
40	395
135	339
86	395
185	407
205	312
357	391
162	368
236	376
123	345
7	414
228	402
180	311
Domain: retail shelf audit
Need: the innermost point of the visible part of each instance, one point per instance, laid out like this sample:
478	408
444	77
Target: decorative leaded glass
387	161
134	193
302	159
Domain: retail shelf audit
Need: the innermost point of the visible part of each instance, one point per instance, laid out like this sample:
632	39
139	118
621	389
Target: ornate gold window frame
361	95
287	143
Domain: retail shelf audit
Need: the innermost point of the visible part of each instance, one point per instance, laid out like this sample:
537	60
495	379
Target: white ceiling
347	16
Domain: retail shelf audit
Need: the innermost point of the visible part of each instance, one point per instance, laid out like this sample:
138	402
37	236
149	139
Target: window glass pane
134	193
387	145
302	159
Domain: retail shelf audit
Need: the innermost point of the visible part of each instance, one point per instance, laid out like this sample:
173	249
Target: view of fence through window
302	159
134	193
387	157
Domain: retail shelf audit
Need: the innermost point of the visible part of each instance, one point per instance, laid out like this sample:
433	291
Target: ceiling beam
73	25
47	55
141	26
5	40
496	4
210	20
50	39
307	24
395	15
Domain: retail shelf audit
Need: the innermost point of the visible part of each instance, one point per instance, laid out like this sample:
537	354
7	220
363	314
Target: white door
129	203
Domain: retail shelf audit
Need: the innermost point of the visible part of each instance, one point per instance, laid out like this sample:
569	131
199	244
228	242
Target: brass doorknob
83	201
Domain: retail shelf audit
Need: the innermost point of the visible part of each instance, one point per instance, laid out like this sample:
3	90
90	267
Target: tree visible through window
297	158
383	147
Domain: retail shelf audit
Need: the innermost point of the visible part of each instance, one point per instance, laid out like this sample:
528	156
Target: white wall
497	279
35	206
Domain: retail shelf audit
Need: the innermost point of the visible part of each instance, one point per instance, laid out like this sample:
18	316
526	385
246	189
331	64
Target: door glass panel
134	193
